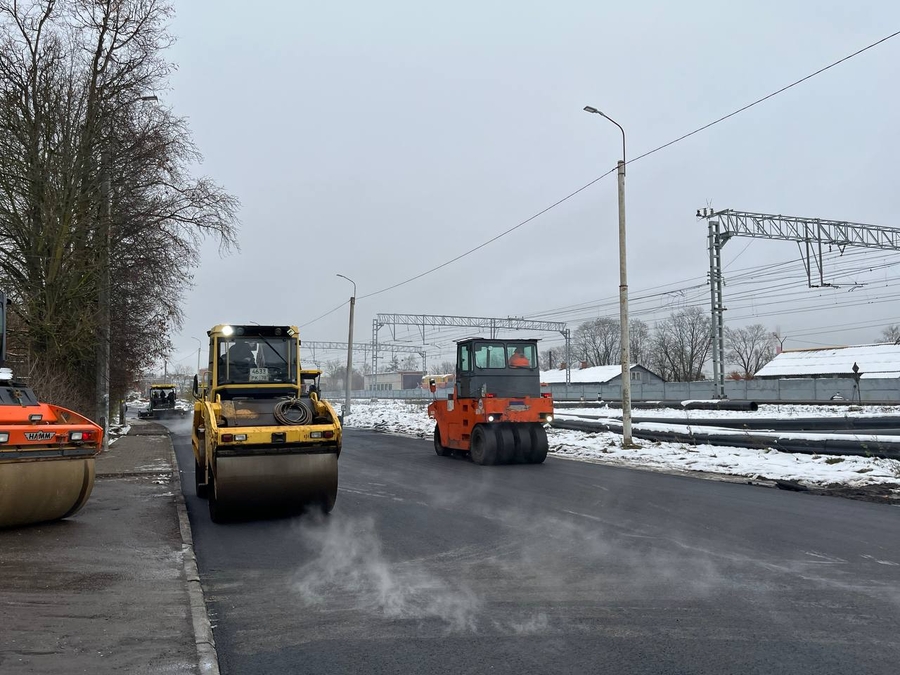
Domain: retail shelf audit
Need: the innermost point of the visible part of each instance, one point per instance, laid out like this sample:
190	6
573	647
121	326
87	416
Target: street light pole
103	346
623	292
348	376
199	347
103	300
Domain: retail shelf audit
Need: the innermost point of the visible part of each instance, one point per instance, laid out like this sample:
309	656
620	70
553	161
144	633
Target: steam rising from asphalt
518	581
351	571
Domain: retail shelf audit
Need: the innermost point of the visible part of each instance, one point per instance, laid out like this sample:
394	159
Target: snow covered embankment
409	419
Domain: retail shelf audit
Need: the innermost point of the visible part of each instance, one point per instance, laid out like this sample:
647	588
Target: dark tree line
94	176
677	348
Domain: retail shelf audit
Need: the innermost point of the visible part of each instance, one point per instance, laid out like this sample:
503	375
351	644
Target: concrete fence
781	391
776	391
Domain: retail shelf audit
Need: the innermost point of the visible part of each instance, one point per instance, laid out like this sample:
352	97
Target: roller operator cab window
521	356
465	358
490	355
246	360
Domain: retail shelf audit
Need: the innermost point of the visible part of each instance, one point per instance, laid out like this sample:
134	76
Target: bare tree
335	373
410	362
597	342
639	341
890	334
182	376
334	368
681	345
442	368
750	347
551	358
91	179
393	365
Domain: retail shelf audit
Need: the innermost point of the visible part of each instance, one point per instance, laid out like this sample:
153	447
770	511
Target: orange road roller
496	412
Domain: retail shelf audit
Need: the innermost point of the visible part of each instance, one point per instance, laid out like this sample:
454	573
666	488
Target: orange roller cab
496	412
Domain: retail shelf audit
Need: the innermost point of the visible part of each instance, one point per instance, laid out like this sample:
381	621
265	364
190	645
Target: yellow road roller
262	436
162	403
46	452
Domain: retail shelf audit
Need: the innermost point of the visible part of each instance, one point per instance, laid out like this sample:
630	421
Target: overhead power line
489	241
635	159
330	311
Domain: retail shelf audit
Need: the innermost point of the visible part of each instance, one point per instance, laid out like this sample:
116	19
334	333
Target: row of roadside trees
96	177
678	348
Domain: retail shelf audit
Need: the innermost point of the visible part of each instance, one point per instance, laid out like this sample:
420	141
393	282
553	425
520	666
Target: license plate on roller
259	374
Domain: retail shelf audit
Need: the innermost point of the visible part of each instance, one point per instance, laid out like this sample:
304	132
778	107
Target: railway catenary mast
809	233
491	324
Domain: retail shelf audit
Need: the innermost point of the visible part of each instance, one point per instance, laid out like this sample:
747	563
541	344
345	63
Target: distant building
873	361
600	375
403	379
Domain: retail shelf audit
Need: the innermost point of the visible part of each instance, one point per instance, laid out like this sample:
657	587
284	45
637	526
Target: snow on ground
411	419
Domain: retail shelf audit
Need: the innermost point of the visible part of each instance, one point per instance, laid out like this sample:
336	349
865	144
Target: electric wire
489	241
631	161
588	306
747	276
331	311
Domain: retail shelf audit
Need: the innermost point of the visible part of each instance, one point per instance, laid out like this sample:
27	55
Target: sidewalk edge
208	658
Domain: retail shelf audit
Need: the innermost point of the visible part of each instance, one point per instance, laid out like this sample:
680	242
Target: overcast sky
378	140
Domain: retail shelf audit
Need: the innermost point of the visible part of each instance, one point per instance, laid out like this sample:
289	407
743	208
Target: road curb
208	658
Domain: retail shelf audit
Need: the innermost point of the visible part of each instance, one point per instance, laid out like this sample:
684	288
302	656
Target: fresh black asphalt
436	565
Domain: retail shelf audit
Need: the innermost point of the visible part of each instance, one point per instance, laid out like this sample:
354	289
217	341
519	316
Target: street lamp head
592	109
342	276
149	98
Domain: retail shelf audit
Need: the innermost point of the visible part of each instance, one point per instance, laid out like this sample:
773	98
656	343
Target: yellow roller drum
286	481
38	491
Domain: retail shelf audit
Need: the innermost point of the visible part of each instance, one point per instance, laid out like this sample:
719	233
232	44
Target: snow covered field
811	470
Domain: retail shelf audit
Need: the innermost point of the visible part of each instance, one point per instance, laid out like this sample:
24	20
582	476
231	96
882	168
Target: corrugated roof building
599	375
873	361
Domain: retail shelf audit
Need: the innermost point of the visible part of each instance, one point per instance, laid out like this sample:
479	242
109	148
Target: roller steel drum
276	480
36	491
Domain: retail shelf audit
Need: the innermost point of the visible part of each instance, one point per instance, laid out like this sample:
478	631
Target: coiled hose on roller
293	412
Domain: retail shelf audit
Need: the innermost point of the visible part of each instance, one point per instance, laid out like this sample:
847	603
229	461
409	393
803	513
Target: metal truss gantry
809	233
492	324
363	347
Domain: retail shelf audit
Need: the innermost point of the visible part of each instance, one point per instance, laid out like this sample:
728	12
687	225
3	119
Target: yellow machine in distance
261	434
162	402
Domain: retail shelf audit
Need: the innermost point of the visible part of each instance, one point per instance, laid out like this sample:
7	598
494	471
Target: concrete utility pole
623	292
348	377
102	374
